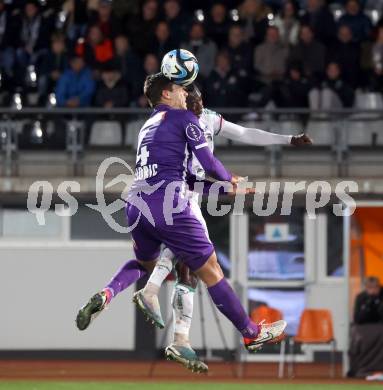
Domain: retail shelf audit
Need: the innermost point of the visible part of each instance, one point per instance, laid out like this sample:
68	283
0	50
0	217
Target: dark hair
74	56
223	53
197	23
295	7
56	36
109	66
236	25
33	2
194	99
353	1
153	87
306	26
297	66
371	280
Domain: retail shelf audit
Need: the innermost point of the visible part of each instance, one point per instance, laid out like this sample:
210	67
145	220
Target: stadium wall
49	279
48	282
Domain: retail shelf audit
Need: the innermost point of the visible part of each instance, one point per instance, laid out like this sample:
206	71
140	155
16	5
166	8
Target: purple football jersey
165	146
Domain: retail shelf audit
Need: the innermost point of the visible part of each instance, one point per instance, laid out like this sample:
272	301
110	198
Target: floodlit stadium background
290	263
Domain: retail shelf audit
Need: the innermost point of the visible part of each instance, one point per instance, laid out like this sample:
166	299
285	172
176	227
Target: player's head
372	285
194	99
160	90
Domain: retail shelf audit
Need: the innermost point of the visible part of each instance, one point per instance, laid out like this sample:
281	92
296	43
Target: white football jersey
211	123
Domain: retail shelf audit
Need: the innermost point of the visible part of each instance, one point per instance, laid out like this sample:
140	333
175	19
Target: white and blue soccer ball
180	66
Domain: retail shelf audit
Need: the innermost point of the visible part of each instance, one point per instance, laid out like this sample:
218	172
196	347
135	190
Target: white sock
161	271
182	302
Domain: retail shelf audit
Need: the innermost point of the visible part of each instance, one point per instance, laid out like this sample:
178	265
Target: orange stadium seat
315	327
263	312
269	314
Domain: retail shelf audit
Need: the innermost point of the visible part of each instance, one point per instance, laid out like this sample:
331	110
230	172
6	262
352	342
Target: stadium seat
268	315
374	15
106	133
365	129
131	132
315	327
369	101
287	127
379	133
32	99
323	133
362	132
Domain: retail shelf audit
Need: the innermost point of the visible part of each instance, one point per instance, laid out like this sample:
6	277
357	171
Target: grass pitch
178	386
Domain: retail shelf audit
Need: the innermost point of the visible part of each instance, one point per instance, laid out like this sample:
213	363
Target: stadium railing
74	133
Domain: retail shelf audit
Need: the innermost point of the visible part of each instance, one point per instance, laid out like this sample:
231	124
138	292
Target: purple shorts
186	238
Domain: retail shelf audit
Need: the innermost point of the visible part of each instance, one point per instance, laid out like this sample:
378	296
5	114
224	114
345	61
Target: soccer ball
180	66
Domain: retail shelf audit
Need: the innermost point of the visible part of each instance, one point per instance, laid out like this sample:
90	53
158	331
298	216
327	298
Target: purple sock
230	306
130	272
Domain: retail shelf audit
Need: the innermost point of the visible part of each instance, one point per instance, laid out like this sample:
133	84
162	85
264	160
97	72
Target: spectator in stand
179	23
270	57
295	89
223	88
346	53
5	26
129	65
369	303
77	18
151	66
96	50
254	18
107	22
239	51
51	65
366	338
321	21
33	35
375	78
334	92
218	24
125	8
141	29
112	91
163	42
309	54
288	24
359	23
202	47
75	87
7	33
270	63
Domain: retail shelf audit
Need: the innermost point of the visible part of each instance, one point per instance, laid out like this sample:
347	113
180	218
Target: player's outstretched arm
259	137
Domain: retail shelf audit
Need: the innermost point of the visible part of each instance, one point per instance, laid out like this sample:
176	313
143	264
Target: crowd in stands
308	53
